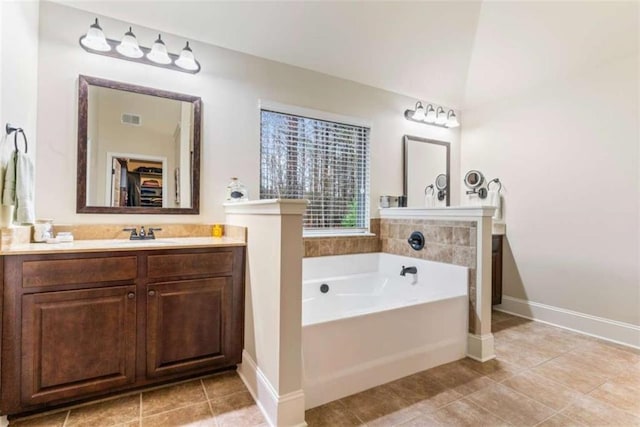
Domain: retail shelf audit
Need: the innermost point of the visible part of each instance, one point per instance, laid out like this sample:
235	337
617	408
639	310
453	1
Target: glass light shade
129	46
95	39
186	60
418	114
431	114
452	120
441	116
158	53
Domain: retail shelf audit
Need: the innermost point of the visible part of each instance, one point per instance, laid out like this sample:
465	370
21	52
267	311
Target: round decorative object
416	240
473	179
441	182
324	288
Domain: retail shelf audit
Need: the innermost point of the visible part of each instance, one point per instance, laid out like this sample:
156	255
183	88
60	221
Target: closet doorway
136	180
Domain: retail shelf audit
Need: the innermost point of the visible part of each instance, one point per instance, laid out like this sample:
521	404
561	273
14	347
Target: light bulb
95	39
158	53
431	114
441	116
418	114
452	120
129	46
186	60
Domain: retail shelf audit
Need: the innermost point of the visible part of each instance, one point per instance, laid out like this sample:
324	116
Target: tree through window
322	161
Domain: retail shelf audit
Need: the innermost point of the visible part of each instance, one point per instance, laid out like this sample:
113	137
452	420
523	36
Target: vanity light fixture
128	49
95	39
129	46
159	52
432	116
187	60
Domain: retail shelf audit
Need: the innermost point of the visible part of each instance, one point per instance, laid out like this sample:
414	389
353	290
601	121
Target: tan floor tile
198	415
511	406
464	413
617	394
570	374
499	316
521	353
423	392
510	324
497	370
618	361
53	420
559	420
135	423
460	378
223	384
380	406
107	413
331	415
592	412
421	421
172	397
237	410
542	389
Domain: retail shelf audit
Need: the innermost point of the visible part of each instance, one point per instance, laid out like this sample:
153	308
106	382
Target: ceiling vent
131	119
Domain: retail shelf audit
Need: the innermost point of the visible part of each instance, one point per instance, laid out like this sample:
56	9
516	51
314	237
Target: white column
272	358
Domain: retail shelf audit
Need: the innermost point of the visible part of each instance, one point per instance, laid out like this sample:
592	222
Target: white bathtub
373	325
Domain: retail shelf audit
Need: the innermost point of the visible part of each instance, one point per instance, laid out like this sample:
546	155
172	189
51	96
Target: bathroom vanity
83	323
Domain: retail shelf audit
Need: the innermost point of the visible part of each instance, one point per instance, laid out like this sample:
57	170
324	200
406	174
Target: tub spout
410	270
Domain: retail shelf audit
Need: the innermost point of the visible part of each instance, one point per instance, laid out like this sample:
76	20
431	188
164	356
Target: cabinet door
188	325
77	342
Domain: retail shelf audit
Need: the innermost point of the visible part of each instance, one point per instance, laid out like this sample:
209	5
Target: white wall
231	85
568	156
18	70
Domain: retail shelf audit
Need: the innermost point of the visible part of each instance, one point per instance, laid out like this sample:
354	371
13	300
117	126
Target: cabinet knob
131	295
152	293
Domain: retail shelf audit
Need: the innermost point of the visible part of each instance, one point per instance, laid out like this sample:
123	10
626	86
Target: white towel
495	199
429	200
9	182
25	182
18	187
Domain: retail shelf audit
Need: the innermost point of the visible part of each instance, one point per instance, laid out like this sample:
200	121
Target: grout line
206	395
66	419
140	412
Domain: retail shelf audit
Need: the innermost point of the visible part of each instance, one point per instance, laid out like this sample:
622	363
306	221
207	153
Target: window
323	161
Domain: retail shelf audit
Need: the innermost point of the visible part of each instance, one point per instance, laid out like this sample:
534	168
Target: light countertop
121	245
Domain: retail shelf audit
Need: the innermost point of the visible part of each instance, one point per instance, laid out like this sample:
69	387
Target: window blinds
322	161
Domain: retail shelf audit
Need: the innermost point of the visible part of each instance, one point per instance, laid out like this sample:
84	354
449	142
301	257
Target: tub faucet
410	270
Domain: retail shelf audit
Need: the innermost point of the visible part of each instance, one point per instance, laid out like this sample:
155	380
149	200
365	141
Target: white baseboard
279	410
480	347
599	327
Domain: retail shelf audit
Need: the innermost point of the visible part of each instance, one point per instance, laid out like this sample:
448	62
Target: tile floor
543	376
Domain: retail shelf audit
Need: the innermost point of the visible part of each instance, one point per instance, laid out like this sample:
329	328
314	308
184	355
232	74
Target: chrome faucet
143	235
410	270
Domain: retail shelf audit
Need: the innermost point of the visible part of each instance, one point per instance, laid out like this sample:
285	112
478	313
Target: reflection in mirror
138	149
424	161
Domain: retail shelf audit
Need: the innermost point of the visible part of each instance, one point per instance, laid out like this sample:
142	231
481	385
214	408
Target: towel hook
497	181
16	130
426	189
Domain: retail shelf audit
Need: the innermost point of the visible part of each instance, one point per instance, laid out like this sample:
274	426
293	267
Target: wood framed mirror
424	160
138	149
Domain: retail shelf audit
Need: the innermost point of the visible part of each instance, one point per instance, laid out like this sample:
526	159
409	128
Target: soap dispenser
236	191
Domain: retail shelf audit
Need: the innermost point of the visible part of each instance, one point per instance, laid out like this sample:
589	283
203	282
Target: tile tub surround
459	393
344	245
451	242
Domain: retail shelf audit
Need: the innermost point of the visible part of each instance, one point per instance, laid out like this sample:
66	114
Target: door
77	342
189	325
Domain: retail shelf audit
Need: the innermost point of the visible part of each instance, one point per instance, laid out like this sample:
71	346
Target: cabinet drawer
77	271
162	267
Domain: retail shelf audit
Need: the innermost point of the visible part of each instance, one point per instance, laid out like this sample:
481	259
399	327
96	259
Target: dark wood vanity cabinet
496	269
82	325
